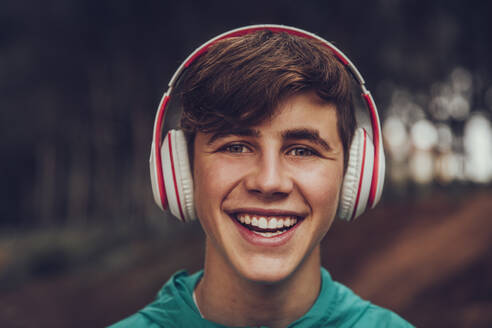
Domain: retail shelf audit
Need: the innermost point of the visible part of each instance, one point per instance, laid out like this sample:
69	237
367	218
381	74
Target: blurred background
81	241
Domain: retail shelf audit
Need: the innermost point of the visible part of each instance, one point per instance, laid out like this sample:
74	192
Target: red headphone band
376	140
276	29
157	150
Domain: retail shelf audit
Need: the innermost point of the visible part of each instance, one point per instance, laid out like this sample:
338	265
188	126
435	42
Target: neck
225	297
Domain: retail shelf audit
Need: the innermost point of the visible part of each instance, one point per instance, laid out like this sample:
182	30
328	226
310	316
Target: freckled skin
269	171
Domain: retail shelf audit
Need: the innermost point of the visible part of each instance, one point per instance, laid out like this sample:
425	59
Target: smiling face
267	195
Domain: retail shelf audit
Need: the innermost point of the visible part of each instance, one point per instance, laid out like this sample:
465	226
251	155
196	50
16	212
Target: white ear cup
357	181
177	176
366	177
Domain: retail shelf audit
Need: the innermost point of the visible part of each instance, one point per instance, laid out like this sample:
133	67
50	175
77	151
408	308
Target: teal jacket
336	306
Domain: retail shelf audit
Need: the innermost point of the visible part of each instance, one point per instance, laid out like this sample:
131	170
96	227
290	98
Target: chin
267	272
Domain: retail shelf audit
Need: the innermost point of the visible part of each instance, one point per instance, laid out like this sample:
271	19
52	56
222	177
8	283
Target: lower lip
260	240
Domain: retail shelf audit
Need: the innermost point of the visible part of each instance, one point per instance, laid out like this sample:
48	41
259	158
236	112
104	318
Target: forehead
303	110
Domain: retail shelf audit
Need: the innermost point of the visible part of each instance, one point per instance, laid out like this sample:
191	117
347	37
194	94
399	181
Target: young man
268	120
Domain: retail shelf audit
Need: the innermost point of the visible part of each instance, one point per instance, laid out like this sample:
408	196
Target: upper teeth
267	222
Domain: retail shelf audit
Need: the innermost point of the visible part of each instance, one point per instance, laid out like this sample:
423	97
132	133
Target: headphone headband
157	177
270	27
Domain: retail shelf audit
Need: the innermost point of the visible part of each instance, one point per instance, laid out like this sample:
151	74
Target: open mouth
267	226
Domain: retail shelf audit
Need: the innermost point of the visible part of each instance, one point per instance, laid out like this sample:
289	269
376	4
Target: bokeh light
478	149
396	138
439	136
424	135
422	167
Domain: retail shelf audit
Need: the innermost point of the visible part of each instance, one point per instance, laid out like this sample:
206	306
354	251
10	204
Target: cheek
322	188
213	179
323	194
203	181
205	194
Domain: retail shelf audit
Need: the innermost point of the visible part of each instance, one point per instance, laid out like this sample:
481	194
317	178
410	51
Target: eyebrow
291	134
238	132
306	134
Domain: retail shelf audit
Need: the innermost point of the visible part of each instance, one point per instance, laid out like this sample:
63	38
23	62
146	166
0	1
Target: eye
302	152
235	148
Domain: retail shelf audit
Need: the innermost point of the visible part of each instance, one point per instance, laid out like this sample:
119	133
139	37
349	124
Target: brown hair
239	81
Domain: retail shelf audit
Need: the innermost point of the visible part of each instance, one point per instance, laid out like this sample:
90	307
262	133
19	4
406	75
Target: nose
269	177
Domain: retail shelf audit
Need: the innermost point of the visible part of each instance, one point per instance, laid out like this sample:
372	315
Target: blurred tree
80	81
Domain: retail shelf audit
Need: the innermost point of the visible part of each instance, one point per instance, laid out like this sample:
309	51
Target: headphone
172	183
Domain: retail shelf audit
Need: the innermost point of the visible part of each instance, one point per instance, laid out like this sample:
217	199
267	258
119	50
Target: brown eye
301	152
236	149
